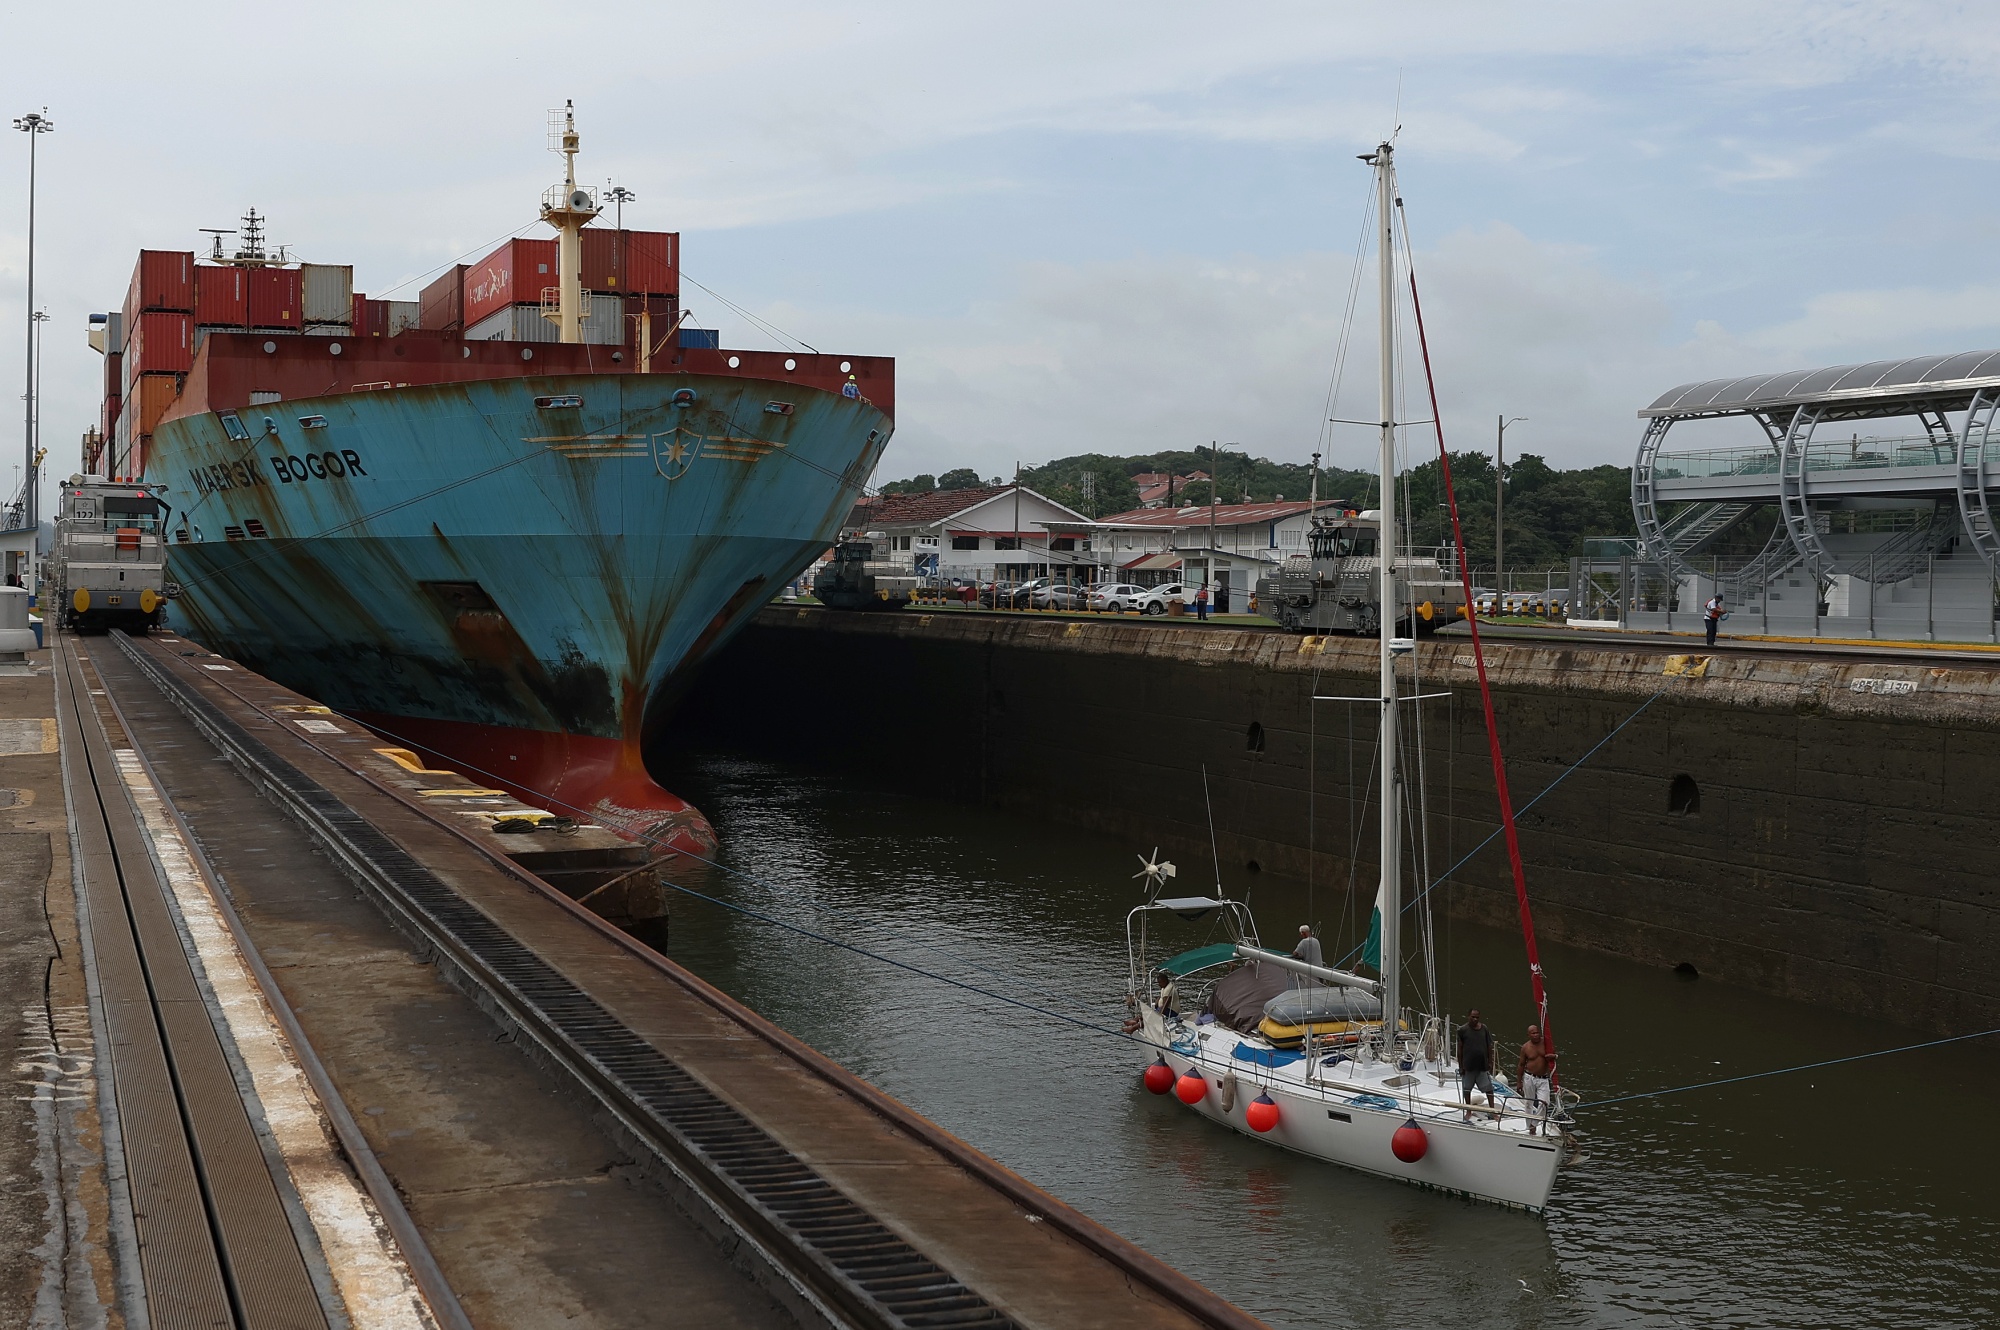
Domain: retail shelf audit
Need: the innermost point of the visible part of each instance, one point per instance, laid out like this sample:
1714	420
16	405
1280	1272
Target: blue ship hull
509	572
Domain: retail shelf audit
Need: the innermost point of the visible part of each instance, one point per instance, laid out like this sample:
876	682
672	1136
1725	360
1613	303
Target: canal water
1860	1195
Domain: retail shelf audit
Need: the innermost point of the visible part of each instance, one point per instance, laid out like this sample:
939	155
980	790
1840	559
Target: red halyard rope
1486	696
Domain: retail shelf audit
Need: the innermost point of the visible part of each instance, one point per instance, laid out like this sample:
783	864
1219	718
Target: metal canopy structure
1713	491
1844	392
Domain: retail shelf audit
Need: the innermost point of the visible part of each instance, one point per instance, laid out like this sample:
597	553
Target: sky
1114	227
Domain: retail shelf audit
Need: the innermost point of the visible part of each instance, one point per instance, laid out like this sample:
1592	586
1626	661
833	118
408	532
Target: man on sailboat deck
1163	1001
1308	948
1533	1069
1475	1061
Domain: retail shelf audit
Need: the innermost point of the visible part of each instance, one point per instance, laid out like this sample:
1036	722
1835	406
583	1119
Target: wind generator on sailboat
1329	1062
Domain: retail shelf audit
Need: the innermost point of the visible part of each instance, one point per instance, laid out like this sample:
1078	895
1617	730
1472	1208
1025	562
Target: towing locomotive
1336	586
109	565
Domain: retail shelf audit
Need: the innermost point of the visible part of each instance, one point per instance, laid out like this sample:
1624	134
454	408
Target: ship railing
552	304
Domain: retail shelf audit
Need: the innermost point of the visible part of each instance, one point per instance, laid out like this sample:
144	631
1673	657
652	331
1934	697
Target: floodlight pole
34	125
1499	507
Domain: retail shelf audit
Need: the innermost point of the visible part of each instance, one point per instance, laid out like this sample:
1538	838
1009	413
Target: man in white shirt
1711	615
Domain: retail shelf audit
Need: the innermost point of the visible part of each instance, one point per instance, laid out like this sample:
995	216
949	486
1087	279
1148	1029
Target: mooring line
1785	1071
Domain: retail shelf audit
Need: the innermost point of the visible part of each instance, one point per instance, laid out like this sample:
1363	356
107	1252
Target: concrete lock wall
1840	851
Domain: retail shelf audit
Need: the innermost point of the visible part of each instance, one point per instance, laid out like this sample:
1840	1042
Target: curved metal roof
1878	388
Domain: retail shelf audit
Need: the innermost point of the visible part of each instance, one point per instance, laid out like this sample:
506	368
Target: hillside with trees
1549	512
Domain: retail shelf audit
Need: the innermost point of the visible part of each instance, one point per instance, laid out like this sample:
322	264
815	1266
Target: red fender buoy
1262	1114
1160	1077
1410	1142
1191	1088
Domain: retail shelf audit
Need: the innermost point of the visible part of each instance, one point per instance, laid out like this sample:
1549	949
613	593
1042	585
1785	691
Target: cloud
1173	352
1888	322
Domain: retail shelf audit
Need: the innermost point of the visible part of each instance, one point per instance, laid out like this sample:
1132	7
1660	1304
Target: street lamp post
34	125
1499	508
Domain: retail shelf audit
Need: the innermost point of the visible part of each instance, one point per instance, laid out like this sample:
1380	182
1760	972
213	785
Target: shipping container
114	332
160	344
221	296
514	274
631	262
327	292
151	395
513	323
329	330
369	316
605	325
163	279
107	417
114	373
707	339
663	308
275	298
442	303
402	314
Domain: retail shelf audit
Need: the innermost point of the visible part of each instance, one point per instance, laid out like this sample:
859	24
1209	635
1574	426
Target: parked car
1116	597
998	595
1154	601
1061	596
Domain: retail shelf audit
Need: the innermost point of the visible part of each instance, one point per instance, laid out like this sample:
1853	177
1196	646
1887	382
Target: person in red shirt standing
1201	602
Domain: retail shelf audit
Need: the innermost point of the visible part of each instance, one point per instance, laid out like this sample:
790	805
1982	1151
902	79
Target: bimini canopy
1848	392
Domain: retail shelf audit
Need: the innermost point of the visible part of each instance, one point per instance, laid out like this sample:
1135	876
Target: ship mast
567	208
1385	547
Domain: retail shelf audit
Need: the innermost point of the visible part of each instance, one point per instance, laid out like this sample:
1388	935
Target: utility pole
41	317
1208	564
34	125
1018	549
1499	506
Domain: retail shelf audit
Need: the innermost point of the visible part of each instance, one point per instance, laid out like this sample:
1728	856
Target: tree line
1550	512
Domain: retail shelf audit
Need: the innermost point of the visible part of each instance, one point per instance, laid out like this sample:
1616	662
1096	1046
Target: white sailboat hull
1498	1161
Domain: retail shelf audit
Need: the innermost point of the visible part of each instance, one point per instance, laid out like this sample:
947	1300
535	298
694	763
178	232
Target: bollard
16	638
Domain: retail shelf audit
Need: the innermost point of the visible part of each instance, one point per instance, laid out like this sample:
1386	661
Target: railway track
816	1248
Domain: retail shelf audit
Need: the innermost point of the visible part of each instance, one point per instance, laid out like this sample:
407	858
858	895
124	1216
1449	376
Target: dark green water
1862	1195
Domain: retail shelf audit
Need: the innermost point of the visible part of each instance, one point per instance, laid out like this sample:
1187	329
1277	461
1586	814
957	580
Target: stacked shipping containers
623	271
154	338
383	318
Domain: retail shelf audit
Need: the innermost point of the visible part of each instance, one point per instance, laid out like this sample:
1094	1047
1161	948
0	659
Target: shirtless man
1533	1070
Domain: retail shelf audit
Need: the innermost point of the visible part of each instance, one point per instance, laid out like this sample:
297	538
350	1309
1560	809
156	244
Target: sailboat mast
1390	786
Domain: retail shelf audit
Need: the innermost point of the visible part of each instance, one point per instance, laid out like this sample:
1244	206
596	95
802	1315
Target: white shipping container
402	314
513	323
328	292
605	325
328	329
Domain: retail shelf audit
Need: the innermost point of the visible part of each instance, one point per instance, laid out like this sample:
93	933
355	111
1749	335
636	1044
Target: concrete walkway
57	1266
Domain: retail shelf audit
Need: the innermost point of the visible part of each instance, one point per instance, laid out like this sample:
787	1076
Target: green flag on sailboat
1371	950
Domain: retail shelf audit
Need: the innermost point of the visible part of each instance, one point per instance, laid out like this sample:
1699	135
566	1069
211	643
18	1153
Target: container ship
494	524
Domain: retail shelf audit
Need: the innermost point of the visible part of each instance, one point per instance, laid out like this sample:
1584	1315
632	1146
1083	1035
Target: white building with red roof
994	531
1223	545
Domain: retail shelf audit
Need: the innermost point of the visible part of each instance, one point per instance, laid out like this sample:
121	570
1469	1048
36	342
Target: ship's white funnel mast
567	207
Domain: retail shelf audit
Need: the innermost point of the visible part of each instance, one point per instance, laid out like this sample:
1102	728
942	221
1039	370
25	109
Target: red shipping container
114	374
221	296
108	418
163	280
441	305
159	344
275	299
663	309
631	262
513	274
371	317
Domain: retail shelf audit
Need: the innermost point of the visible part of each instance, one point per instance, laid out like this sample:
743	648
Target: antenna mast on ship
567	207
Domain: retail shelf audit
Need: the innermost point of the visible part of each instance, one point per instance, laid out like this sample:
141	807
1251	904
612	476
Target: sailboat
1328	1062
